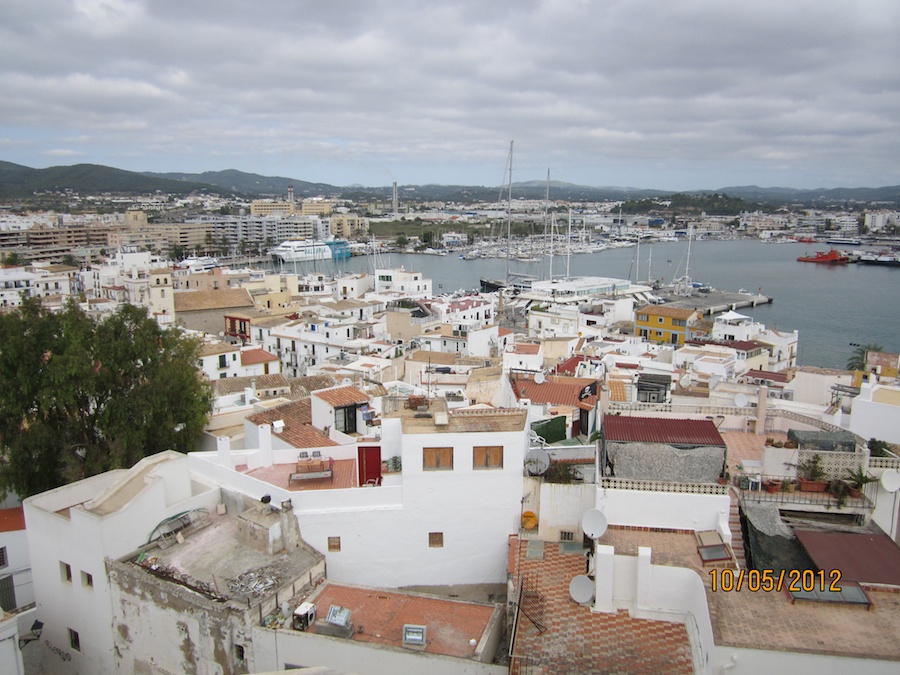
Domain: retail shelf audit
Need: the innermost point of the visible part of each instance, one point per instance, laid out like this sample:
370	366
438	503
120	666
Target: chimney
290	194
394	204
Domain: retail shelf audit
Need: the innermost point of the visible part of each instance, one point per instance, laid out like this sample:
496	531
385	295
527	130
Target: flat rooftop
378	617
343	475
212	556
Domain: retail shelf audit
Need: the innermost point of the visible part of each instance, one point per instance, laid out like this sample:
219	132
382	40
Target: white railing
681	408
664	486
884	463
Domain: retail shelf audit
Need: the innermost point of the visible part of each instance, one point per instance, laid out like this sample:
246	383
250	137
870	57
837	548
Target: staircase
734	524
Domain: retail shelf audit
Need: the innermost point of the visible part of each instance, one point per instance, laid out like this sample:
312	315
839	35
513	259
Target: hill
232	180
23	181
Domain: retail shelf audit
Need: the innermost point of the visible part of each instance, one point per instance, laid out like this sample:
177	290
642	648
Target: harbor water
833	307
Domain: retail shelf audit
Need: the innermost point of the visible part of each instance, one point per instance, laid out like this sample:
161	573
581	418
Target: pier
716	302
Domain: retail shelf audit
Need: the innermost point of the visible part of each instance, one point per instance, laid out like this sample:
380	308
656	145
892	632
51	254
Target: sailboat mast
569	243
546	221
509	211
637	259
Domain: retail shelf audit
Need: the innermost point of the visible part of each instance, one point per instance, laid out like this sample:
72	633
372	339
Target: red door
369	464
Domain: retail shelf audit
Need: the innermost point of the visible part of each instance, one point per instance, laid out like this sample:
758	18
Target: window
87	580
437	459
334	544
679	322
566	536
74	640
4	561
659	319
239	652
642	317
65	572
7	593
436	539
345	419
223	362
488	457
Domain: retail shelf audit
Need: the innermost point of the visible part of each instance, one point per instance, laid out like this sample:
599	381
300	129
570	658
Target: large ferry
306	250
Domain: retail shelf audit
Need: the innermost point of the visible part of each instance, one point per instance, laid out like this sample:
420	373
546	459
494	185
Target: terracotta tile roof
301	387
524	348
298	429
234	385
226	298
342	396
213	348
664	310
253	356
504	331
451	624
556	391
617	391
570	364
12	520
577	640
767	375
659	430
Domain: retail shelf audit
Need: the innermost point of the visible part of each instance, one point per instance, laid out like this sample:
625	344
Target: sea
833	307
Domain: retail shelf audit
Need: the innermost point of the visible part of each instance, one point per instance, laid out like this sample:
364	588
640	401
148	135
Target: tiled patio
342	476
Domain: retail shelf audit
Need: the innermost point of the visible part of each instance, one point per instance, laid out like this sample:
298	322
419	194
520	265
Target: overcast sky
668	94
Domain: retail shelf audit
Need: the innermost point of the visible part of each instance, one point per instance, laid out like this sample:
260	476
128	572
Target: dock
716	302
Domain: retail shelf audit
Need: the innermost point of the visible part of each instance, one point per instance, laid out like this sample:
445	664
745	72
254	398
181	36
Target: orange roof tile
557	391
298	429
253	356
342	396
525	349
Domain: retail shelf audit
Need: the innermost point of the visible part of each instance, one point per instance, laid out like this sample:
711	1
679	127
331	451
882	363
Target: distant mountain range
17	181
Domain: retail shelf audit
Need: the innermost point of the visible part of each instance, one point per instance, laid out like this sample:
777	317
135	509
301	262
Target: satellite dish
537	461
347	382
740	400
539	378
594	524
685	381
890	480
581	589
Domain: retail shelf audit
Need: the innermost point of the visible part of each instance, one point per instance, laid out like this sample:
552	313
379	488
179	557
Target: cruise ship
307	250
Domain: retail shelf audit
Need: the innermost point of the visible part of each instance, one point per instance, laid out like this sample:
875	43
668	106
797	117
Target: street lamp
36	629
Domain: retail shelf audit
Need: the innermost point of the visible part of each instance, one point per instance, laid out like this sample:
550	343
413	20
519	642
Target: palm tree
858	360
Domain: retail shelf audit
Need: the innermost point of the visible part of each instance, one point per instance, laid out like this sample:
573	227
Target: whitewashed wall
668	510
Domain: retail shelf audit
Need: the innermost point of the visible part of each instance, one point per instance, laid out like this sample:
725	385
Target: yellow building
659	323
348	225
265	207
315	207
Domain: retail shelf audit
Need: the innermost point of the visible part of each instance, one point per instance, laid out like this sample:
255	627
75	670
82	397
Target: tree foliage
82	396
857	360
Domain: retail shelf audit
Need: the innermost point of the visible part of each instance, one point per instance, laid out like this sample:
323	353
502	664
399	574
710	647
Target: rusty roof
660	430
767	375
342	396
868	558
525	348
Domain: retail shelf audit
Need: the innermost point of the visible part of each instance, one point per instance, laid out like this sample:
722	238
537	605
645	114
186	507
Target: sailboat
512	280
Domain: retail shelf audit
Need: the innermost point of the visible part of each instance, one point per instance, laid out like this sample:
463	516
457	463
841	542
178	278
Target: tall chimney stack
394	203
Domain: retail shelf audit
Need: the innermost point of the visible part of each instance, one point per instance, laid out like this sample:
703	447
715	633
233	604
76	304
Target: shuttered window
488	457
437	459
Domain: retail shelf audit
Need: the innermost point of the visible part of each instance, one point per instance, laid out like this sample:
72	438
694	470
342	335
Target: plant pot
855	492
789	487
773	486
812	485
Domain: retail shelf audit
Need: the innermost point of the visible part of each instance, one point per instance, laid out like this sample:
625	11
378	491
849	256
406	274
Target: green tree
12	259
84	396
70	260
402	240
857	360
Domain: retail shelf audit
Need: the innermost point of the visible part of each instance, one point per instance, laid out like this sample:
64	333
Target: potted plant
773	485
788	485
811	475
858	479
840	490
